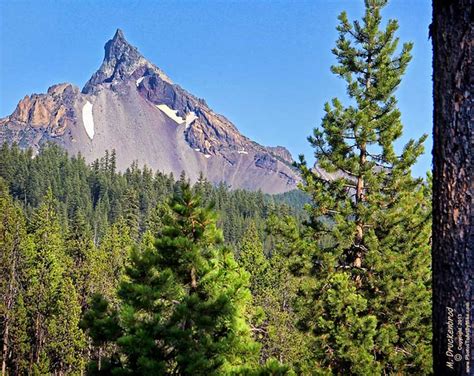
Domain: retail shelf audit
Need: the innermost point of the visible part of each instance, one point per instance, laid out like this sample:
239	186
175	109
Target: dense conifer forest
70	237
142	273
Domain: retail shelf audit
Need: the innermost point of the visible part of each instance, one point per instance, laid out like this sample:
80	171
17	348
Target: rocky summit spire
119	34
121	60
118	48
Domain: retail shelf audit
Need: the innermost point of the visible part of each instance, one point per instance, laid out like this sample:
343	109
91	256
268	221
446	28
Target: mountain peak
118	47
119	34
121	60
131	106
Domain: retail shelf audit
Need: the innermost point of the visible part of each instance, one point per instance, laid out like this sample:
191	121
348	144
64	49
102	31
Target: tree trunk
357	263
5	348
6	324
99	362
193	280
10	299
453	225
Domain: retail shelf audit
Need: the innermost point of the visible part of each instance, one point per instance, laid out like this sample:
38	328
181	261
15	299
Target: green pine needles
184	301
368	306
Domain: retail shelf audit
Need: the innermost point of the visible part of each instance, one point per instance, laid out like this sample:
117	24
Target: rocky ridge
132	106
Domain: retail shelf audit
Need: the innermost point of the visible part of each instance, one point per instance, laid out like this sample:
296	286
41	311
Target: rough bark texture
453	225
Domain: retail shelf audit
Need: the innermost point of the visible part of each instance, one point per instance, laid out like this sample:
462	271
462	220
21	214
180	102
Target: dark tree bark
453	215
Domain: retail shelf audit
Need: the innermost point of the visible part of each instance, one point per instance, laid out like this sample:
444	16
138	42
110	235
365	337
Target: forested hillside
69	231
103	195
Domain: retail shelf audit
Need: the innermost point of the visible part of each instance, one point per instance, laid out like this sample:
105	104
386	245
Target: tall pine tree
274	290
14	247
81	250
66	345
107	264
47	265
184	302
368	307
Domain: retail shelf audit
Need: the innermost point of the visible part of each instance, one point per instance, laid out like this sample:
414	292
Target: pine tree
80	248
185	300
102	324
131	207
66	343
113	163
100	219
203	187
368	306
253	260
13	256
156	217
285	341
274	290
107	266
19	345
47	265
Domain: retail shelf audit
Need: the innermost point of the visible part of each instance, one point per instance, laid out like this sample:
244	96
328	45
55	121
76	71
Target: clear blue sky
263	64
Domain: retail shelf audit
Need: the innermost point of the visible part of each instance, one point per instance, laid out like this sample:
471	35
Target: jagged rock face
51	110
130	105
280	152
121	61
209	132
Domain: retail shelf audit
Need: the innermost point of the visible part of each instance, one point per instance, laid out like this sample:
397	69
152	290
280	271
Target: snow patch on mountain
190	118
88	119
172	114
